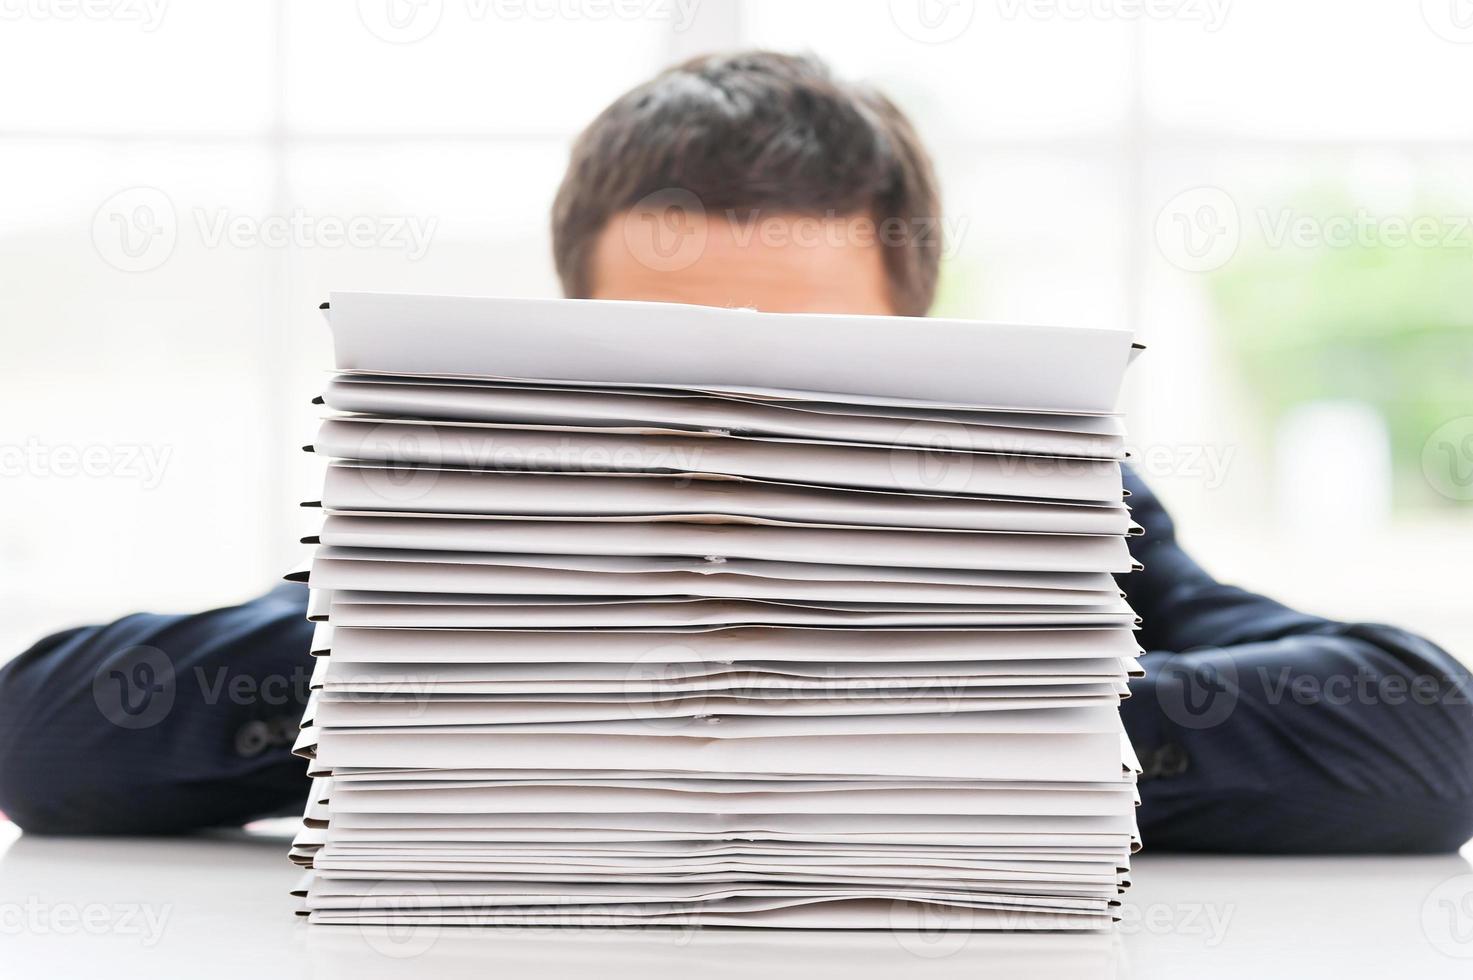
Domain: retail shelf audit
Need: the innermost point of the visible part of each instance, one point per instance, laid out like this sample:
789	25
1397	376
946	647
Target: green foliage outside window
1377	320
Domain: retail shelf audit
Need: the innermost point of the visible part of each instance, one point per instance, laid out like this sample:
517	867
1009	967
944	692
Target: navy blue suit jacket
1259	728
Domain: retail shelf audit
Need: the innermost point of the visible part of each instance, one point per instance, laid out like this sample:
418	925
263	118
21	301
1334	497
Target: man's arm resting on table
158	724
1263	729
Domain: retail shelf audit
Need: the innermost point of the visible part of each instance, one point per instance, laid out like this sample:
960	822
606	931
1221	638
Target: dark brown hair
756	132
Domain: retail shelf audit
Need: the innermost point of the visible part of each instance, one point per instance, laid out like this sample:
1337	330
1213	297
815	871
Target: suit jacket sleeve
1265	729
158	724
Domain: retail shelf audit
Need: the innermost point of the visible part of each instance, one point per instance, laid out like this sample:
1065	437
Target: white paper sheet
653	344
356	486
346	611
508	580
1002	432
611	566
902	549
1084	756
760	644
482	445
805	402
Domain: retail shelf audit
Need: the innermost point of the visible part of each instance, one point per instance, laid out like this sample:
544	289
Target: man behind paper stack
760	180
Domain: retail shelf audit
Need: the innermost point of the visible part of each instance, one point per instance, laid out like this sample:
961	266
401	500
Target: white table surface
217	908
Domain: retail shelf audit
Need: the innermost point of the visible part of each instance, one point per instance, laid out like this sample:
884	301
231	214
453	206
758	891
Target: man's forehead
778	262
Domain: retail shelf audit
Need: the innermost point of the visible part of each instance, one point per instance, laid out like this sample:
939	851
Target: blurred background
1274	194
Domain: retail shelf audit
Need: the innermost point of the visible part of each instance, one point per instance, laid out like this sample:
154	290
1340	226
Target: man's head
756	180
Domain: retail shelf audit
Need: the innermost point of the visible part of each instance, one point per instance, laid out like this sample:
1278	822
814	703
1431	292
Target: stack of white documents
654	614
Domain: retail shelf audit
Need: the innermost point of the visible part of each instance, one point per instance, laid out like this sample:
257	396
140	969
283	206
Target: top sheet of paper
868	359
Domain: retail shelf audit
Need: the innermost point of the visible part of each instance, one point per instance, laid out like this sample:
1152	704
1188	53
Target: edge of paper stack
648	614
